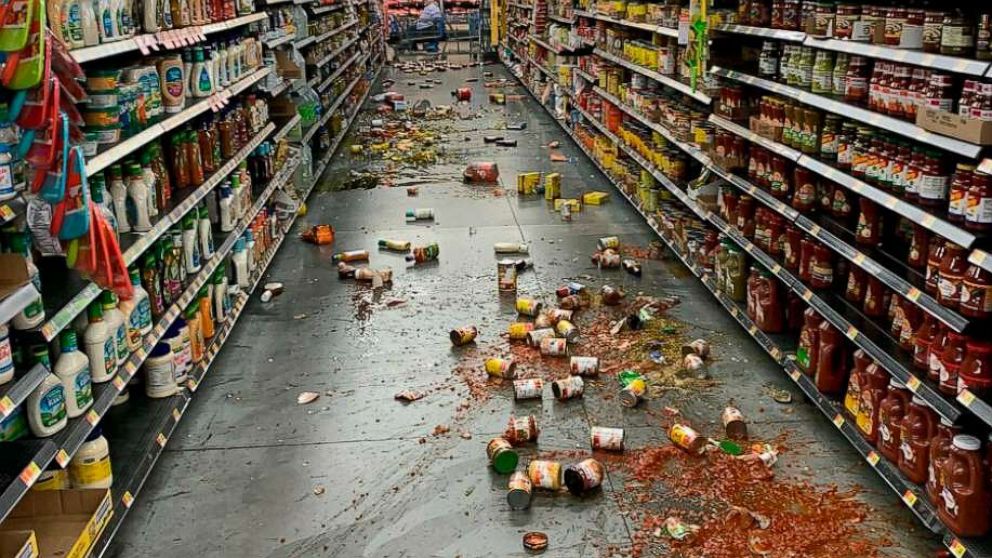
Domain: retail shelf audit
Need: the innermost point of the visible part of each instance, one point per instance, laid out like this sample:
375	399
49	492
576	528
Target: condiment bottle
151	282
769	313
965	500
950	360
890	414
876	298
951	275
957	194
857	283
206	313
807	353
978	203
73	370
918	247
870	401
976	293
940	447
137	199
918	427
831	365
935	254
101	347
856	382
975	373
869	228
197	344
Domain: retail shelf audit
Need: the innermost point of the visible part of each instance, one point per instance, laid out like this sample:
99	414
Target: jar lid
967	443
917	400
161	349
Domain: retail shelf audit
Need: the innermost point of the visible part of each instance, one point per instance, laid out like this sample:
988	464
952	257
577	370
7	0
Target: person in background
430	16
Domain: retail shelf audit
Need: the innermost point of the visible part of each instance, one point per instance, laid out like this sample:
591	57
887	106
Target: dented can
528	388
733	423
583	476
686	438
534	337
543	322
584	365
351	256
554	346
500	367
567	330
558	314
567	388
607	259
506	276
633	392
604	438
528	307
698	347
463	335
545	474
502	456
518	491
518	330
521	430
608	243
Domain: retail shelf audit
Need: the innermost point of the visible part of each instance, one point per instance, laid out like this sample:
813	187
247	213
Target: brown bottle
925	334
831	366
890	413
870	401
856	382
807	353
965	500
951	275
918	427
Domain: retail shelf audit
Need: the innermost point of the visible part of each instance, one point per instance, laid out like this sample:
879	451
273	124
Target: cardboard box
18	544
66	522
573	203
595	198
765	129
949	124
13	273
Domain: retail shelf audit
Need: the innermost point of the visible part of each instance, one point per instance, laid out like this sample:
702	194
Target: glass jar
791	15
828	138
957	36
856	81
847	14
932	187
869	229
934	256
845	145
912	29
933	22
876	298
976	293
918	246
958	191
823	73
978	203
792	246
939	93
857	281
951	275
821	268
768	60
983	37
804	198
974	373
895	18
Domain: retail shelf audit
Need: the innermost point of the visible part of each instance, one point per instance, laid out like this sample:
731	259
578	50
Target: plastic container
6	362
101	346
90	467
137	313
159	374
46	407
73	370
177	337
117	326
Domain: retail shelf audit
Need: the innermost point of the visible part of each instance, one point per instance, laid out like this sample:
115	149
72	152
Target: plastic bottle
206	312
70	28
6	360
117	323
191	249
159	374
98	194
965	497
137	200
919	425
46	407
197	344
107	19
34	313
240	260
226	210
250	251
151	182
172	81
187	69
90	467
152	10
177	337
88	20
205	233
940	446
118	193
101	346
73	369
220	302
223	78
201	84
138	312
236	209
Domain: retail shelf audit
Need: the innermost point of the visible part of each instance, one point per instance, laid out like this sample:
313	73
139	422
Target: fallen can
733	423
462	94
558	314
568	388
545	474
584	365
632	267
420	214
567	330
506	143
481	172
506	276
351	256
463	335
526	182
500	367
528	307
604	438
554	346
510	248
570	302
528	388
608	242
535	541
518	492
543	321
686	438
423	254
610	296
536	336
571	288
491	139
521	430
398	245
518	331
502	456
698	347
692	363
607	259
346	271
497	98
633	388
583	476
368	274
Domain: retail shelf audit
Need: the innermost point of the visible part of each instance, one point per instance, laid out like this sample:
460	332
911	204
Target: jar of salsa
937	347
966	503
934	256
890	414
869	229
978	203
975	373
841	206
932	187
745	216
957	35
895	18
951	275
804	195
856	382
736	280
912	316
912	29
924	337
933	22
939	94
769	312
791	246
857	282
876	298
940	446
976	293
856	81
791	15
831	367
918	427
950	362
918	246
775	226
777	14
806	248
821	268
872	393
847	14
960	182
808	351
779	181
751	308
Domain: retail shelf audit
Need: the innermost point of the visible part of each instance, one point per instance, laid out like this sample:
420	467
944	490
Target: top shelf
666	31
766	32
660	78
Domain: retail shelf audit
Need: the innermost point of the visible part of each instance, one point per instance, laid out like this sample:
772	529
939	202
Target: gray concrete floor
238	478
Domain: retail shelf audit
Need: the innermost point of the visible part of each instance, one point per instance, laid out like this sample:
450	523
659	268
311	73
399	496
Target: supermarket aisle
356	473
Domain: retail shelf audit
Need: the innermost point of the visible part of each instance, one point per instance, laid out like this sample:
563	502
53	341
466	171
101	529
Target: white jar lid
966	442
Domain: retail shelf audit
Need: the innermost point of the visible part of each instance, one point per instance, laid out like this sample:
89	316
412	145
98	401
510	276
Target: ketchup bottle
875	303
925	335
940	447
769	313
831	366
856	382
976	370
965	501
918	427
752	294
890	414
937	347
877	382
808	351
951	359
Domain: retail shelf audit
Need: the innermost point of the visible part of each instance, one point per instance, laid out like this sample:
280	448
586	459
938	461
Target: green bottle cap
505	460
40	354
96	312
109	300
67	340
135	276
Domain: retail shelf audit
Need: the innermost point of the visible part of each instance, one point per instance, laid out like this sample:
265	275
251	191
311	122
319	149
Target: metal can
463	94
567	330
584	365
610	296
528	307
554	346
692	362
528	388
545	474
558	314
570	302
733	423
518	330
518	491
567	388
506	276
500	367
569	288
535	336
687	438
608	259
608	242
521	430
502	456
463	335
583	476
604	438
543	322
698	347
632	393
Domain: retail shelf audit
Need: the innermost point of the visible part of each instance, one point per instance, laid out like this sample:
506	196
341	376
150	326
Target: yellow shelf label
161	439
6	405
776	353
30	474
872	458
913	294
794	374
62	458
966	398
807	294
118	383
92	417
753	329
176	415
776	268
913	383
852	333
859	258
957	549
838	420
127	499
909	497
6	212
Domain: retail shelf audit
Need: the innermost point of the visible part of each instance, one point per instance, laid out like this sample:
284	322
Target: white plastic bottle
177	337
151	182
226	209
90	467
73	369
200	83
138	311
137	200
46	407
91	28
223	79
235	198
118	193
34	313
220	293
250	251
151	10
6	356
191	249
101	346
118	326
205	233
240	260
159	375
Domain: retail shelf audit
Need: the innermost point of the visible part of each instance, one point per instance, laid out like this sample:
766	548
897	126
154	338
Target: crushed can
528	388
462	94
420	214
634	387
693	363
686	438
527	182
502	456
698	347
528	307
567	330
367	274
583	476
610	296
346	271
521	430
545	474
518	491
558	314
518	331
584	365
733	423
571	288
351	256
535	336
422	254
463	335
554	346
568	388
481	172
500	367
552	186
506	276
632	267
608	243
491	139
604	438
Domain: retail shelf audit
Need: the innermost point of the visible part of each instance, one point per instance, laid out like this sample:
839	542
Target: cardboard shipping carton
67	523
18	544
960	127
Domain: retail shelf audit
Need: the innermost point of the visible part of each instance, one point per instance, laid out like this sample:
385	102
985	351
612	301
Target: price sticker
62	458
795	374
851	333
92	417
6	212
752	330
161	440
807	294
30	474
776	268
776	353
838	420
814	230
928	220
6	405
957	549
872	458
978	257
118	383
859	258
890	202
913	294
913	383
176	415
966	398
191	384
909	497
127	499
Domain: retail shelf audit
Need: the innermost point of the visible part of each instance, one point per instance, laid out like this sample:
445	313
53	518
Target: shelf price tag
794	373
859	258
6	405
913	294
838	420
6	212
92	417
161	440
176	414
872	458
191	384
30	474
909	497
62	458
957	549
752	330
807	294
913	383
118	383
966	398
851	333
127	499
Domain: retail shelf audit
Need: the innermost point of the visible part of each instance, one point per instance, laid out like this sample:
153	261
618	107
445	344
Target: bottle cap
967	442
160	350
96	312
